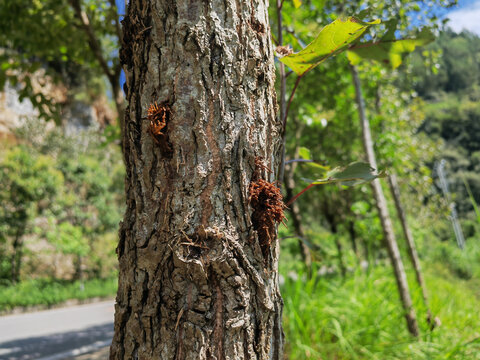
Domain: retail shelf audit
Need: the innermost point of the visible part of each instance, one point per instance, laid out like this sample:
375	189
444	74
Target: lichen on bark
194	283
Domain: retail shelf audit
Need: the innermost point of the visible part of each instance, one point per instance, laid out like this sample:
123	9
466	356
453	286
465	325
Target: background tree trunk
294	209
381	203
412	249
195	283
111	71
16	260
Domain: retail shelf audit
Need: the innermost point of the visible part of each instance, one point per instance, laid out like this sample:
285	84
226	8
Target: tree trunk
412	249
346	218
112	72
198	250
295	214
119	104
338	244
296	217
381	203
331	219
283	90
78	266
352	233
16	259
119	101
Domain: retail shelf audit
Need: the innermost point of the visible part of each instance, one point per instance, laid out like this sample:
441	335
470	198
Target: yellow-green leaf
305	153
332	39
388	52
353	174
297	3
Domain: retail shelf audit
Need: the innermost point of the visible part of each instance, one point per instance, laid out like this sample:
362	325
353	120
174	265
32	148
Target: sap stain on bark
267	202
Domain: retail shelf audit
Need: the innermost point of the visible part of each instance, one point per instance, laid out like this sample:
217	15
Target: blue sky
466	16
121	6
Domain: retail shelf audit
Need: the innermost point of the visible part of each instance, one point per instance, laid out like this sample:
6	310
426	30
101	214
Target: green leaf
332	39
304	153
388	51
353	174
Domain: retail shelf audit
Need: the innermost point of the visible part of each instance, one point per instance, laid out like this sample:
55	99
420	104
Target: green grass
50	292
360	318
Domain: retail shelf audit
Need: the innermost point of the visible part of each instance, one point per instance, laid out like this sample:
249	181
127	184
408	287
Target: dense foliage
452	114
63	198
48	41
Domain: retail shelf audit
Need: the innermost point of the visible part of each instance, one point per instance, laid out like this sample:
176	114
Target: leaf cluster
44	38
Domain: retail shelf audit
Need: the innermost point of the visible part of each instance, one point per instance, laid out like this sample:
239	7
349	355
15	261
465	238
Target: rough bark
194	282
412	249
381	204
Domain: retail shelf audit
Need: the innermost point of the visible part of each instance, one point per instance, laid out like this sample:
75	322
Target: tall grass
361	318
472	200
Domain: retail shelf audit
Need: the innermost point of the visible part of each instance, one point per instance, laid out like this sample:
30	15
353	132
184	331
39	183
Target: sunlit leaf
297	3
305	153
353	174
388	51
332	39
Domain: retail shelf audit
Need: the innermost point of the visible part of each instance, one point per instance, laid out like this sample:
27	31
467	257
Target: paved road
56	334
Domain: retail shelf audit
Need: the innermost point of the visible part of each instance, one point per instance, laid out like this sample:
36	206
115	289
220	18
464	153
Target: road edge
71	302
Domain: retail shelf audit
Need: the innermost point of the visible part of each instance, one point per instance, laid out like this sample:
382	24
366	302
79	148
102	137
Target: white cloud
467	18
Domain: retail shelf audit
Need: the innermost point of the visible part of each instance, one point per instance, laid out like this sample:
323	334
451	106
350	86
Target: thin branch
374	43
283	82
299	41
274	39
292	200
298	160
92	39
299	77
283	89
118	28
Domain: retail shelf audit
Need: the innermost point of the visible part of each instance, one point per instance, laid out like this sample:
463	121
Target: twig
292	200
298	160
299	77
283	89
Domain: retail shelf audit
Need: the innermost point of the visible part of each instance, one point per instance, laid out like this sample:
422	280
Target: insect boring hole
267	202
159	117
